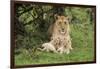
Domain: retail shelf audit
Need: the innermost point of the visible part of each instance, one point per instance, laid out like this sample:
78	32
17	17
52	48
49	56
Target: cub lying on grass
48	47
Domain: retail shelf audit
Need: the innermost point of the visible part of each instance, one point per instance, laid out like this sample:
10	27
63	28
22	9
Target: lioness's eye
59	22
65	22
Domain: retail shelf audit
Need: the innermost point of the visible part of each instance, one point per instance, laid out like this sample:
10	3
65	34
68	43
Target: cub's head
62	23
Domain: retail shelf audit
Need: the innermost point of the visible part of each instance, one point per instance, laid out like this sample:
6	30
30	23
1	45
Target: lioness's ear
56	16
68	18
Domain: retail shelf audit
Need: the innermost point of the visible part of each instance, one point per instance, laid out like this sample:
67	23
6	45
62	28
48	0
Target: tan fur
65	45
61	26
61	34
48	47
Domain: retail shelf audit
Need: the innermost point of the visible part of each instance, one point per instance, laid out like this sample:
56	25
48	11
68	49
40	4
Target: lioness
61	30
61	26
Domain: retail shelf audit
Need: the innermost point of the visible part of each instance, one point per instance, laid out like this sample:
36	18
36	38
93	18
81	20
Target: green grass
80	52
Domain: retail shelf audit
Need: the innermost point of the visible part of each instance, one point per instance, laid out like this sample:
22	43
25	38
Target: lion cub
49	46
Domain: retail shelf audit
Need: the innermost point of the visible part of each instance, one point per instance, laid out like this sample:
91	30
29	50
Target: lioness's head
62	23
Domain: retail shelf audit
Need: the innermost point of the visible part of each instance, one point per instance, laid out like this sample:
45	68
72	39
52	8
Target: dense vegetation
31	27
